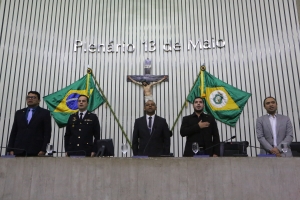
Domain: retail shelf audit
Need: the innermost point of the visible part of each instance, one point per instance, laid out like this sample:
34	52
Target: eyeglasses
31	97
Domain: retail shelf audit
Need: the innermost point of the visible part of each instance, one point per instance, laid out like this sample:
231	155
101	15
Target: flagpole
202	68
90	71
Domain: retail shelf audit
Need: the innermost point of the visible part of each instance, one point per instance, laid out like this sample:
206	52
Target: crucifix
147	80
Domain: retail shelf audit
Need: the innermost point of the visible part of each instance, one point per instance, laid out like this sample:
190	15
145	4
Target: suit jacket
264	133
155	144
32	137
206	137
82	135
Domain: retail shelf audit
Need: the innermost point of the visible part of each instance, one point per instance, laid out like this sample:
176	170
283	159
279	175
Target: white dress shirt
273	121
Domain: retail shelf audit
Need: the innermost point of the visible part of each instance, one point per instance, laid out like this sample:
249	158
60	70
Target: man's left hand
41	153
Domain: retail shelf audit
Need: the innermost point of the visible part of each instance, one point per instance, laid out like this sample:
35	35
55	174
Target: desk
149	178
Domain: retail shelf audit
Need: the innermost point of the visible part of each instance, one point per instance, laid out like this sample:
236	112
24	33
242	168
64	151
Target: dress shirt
273	122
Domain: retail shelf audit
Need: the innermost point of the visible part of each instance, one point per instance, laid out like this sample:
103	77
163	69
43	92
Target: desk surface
149	178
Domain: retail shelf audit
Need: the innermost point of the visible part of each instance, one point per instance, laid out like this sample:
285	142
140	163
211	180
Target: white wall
260	56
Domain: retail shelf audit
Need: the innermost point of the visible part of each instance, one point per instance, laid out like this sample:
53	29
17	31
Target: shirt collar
33	108
271	116
195	115
82	112
147	116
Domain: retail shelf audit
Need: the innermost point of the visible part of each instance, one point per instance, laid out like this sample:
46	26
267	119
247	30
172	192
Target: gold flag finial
89	71
202	68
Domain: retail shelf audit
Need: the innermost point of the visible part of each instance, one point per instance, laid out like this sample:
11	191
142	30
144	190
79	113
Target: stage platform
149	178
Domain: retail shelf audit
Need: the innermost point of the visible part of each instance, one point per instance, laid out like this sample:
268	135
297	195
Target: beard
198	110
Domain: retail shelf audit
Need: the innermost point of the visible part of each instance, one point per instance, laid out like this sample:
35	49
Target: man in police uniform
81	129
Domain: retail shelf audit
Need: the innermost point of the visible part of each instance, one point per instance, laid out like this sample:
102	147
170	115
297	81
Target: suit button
78	136
78	145
79	129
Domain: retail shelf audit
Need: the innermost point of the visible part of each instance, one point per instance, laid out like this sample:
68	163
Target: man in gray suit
274	130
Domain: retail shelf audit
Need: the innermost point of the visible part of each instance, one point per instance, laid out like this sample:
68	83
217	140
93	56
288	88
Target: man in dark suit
82	131
151	135
31	131
274	130
201	128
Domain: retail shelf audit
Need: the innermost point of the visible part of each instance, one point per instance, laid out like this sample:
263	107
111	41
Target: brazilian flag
63	103
222	100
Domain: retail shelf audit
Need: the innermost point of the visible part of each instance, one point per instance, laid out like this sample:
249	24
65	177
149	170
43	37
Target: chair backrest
295	147
105	147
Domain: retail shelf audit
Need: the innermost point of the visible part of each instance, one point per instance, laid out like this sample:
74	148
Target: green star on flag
63	103
223	101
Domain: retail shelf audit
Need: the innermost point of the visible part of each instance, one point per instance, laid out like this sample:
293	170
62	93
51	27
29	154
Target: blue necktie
29	115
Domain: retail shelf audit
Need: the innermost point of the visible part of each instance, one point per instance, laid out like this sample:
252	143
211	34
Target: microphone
219	143
9	149
149	140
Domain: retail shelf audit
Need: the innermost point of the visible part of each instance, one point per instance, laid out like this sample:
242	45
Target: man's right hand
11	153
203	124
275	151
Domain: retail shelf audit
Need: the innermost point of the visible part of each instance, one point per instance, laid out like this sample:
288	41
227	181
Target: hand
215	155
93	154
41	153
278	155
203	124
11	153
275	151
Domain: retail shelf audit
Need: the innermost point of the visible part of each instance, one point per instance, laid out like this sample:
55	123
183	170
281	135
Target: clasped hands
276	152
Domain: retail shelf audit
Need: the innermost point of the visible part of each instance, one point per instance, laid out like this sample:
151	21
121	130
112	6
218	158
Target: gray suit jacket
284	131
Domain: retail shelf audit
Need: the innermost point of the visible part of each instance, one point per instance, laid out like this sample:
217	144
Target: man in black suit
82	131
31	131
151	135
201	128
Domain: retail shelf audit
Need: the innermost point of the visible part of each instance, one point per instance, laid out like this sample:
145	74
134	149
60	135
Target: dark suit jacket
82	135
206	137
155	144
32	137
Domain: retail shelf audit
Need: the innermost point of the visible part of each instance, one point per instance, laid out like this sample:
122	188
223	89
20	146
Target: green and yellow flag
222	100
63	103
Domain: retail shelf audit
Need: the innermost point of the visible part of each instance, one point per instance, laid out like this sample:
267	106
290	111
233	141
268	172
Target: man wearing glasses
31	130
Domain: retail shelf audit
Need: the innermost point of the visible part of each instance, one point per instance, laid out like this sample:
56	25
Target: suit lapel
24	115
267	121
154	124
278	117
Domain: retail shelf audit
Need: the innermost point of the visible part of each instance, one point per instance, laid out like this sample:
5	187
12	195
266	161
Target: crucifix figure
147	80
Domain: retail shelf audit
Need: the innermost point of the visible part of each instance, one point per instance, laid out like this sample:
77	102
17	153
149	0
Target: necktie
81	116
29	116
150	124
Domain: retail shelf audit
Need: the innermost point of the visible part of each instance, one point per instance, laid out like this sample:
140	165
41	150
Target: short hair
198	98
82	95
36	93
268	98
